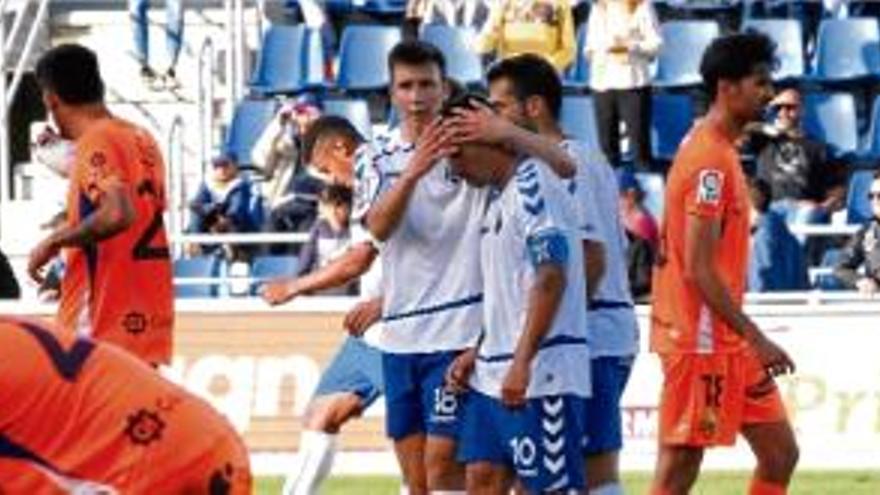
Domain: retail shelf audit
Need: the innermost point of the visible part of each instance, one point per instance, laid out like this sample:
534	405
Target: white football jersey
612	328
430	264
532	205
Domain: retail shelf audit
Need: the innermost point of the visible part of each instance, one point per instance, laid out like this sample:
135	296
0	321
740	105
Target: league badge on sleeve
710	185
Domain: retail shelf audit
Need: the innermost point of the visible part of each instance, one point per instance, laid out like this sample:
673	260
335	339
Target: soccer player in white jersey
525	415
353	380
428	222
527	90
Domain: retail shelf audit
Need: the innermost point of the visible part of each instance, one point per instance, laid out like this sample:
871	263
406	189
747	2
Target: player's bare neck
85	116
725	123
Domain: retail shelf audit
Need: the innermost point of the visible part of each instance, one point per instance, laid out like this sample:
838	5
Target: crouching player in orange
78	416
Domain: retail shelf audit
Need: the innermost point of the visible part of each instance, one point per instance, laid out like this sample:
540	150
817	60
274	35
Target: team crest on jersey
709	187
98	159
134	323
144	427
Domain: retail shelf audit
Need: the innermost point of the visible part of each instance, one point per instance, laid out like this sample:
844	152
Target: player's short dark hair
328	126
466	100
530	75
71	71
734	57
336	194
415	52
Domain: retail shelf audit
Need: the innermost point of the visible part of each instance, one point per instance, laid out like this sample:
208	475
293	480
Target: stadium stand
847	50
671	117
357	111
577	76
199	268
578	119
266	267
291	59
250	118
788	36
679	60
654	185
363	55
463	64
831	117
858	208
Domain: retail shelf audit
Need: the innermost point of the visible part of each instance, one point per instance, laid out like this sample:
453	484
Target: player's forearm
545	297
345	269
102	224
716	296
386	212
533	144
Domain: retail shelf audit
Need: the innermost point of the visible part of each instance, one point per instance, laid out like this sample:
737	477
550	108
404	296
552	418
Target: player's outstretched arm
483	124
114	214
384	215
701	244
363	316
545	295
342	270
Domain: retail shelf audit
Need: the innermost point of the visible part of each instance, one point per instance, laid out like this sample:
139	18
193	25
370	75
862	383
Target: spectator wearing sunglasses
859	265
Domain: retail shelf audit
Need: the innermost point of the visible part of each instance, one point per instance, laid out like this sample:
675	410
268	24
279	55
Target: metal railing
176	190
205	104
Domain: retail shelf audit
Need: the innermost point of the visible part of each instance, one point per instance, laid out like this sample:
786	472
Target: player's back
74	410
706	181
120	289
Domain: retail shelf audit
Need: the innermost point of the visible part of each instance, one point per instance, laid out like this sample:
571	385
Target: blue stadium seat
671	117
248	122
847	50
788	36
291	59
268	267
384	7
873	143
578	75
578	119
196	267
462	62
357	112
363	57
678	64
858	207
831	117
654	187
827	281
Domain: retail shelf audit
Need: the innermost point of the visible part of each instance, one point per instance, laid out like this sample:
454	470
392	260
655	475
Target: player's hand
362	316
459	372
773	358
513	389
279	291
435	143
42	254
866	285
480	124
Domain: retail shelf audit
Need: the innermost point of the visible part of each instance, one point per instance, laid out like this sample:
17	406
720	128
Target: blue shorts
415	397
542	442
610	375
356	369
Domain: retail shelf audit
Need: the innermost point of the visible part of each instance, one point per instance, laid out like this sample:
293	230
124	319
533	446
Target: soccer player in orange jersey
117	284
79	416
718	366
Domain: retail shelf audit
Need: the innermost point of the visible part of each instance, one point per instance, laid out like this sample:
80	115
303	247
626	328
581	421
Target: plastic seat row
210	276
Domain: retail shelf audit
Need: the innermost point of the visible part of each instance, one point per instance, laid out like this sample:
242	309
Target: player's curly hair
735	57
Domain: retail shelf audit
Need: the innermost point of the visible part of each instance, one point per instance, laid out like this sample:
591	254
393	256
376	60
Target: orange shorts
707	398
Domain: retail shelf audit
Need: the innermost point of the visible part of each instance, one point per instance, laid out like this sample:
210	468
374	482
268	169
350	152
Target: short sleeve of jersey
707	191
539	211
101	165
367	182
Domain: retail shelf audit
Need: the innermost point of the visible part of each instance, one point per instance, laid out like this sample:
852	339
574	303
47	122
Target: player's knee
780	460
480	479
443	471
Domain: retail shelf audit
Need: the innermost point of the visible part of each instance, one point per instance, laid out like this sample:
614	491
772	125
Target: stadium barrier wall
260	365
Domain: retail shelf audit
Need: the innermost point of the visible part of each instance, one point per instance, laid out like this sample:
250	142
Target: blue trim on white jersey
552	342
603	304
467	301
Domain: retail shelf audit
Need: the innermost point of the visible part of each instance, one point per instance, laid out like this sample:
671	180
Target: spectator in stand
640	255
636	217
226	203
139	10
9	288
330	237
859	265
807	184
458	13
623	37
544	27
777	258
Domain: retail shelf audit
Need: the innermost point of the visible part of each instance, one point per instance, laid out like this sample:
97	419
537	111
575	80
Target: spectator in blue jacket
777	262
228	202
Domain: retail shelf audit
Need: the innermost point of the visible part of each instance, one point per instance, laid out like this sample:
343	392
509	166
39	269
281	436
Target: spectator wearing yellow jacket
543	27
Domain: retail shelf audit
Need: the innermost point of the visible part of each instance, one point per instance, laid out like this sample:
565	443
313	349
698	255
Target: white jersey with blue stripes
432	289
531	217
612	329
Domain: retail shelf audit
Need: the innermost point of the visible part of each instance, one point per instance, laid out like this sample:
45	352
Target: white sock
404	490
314	460
608	489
